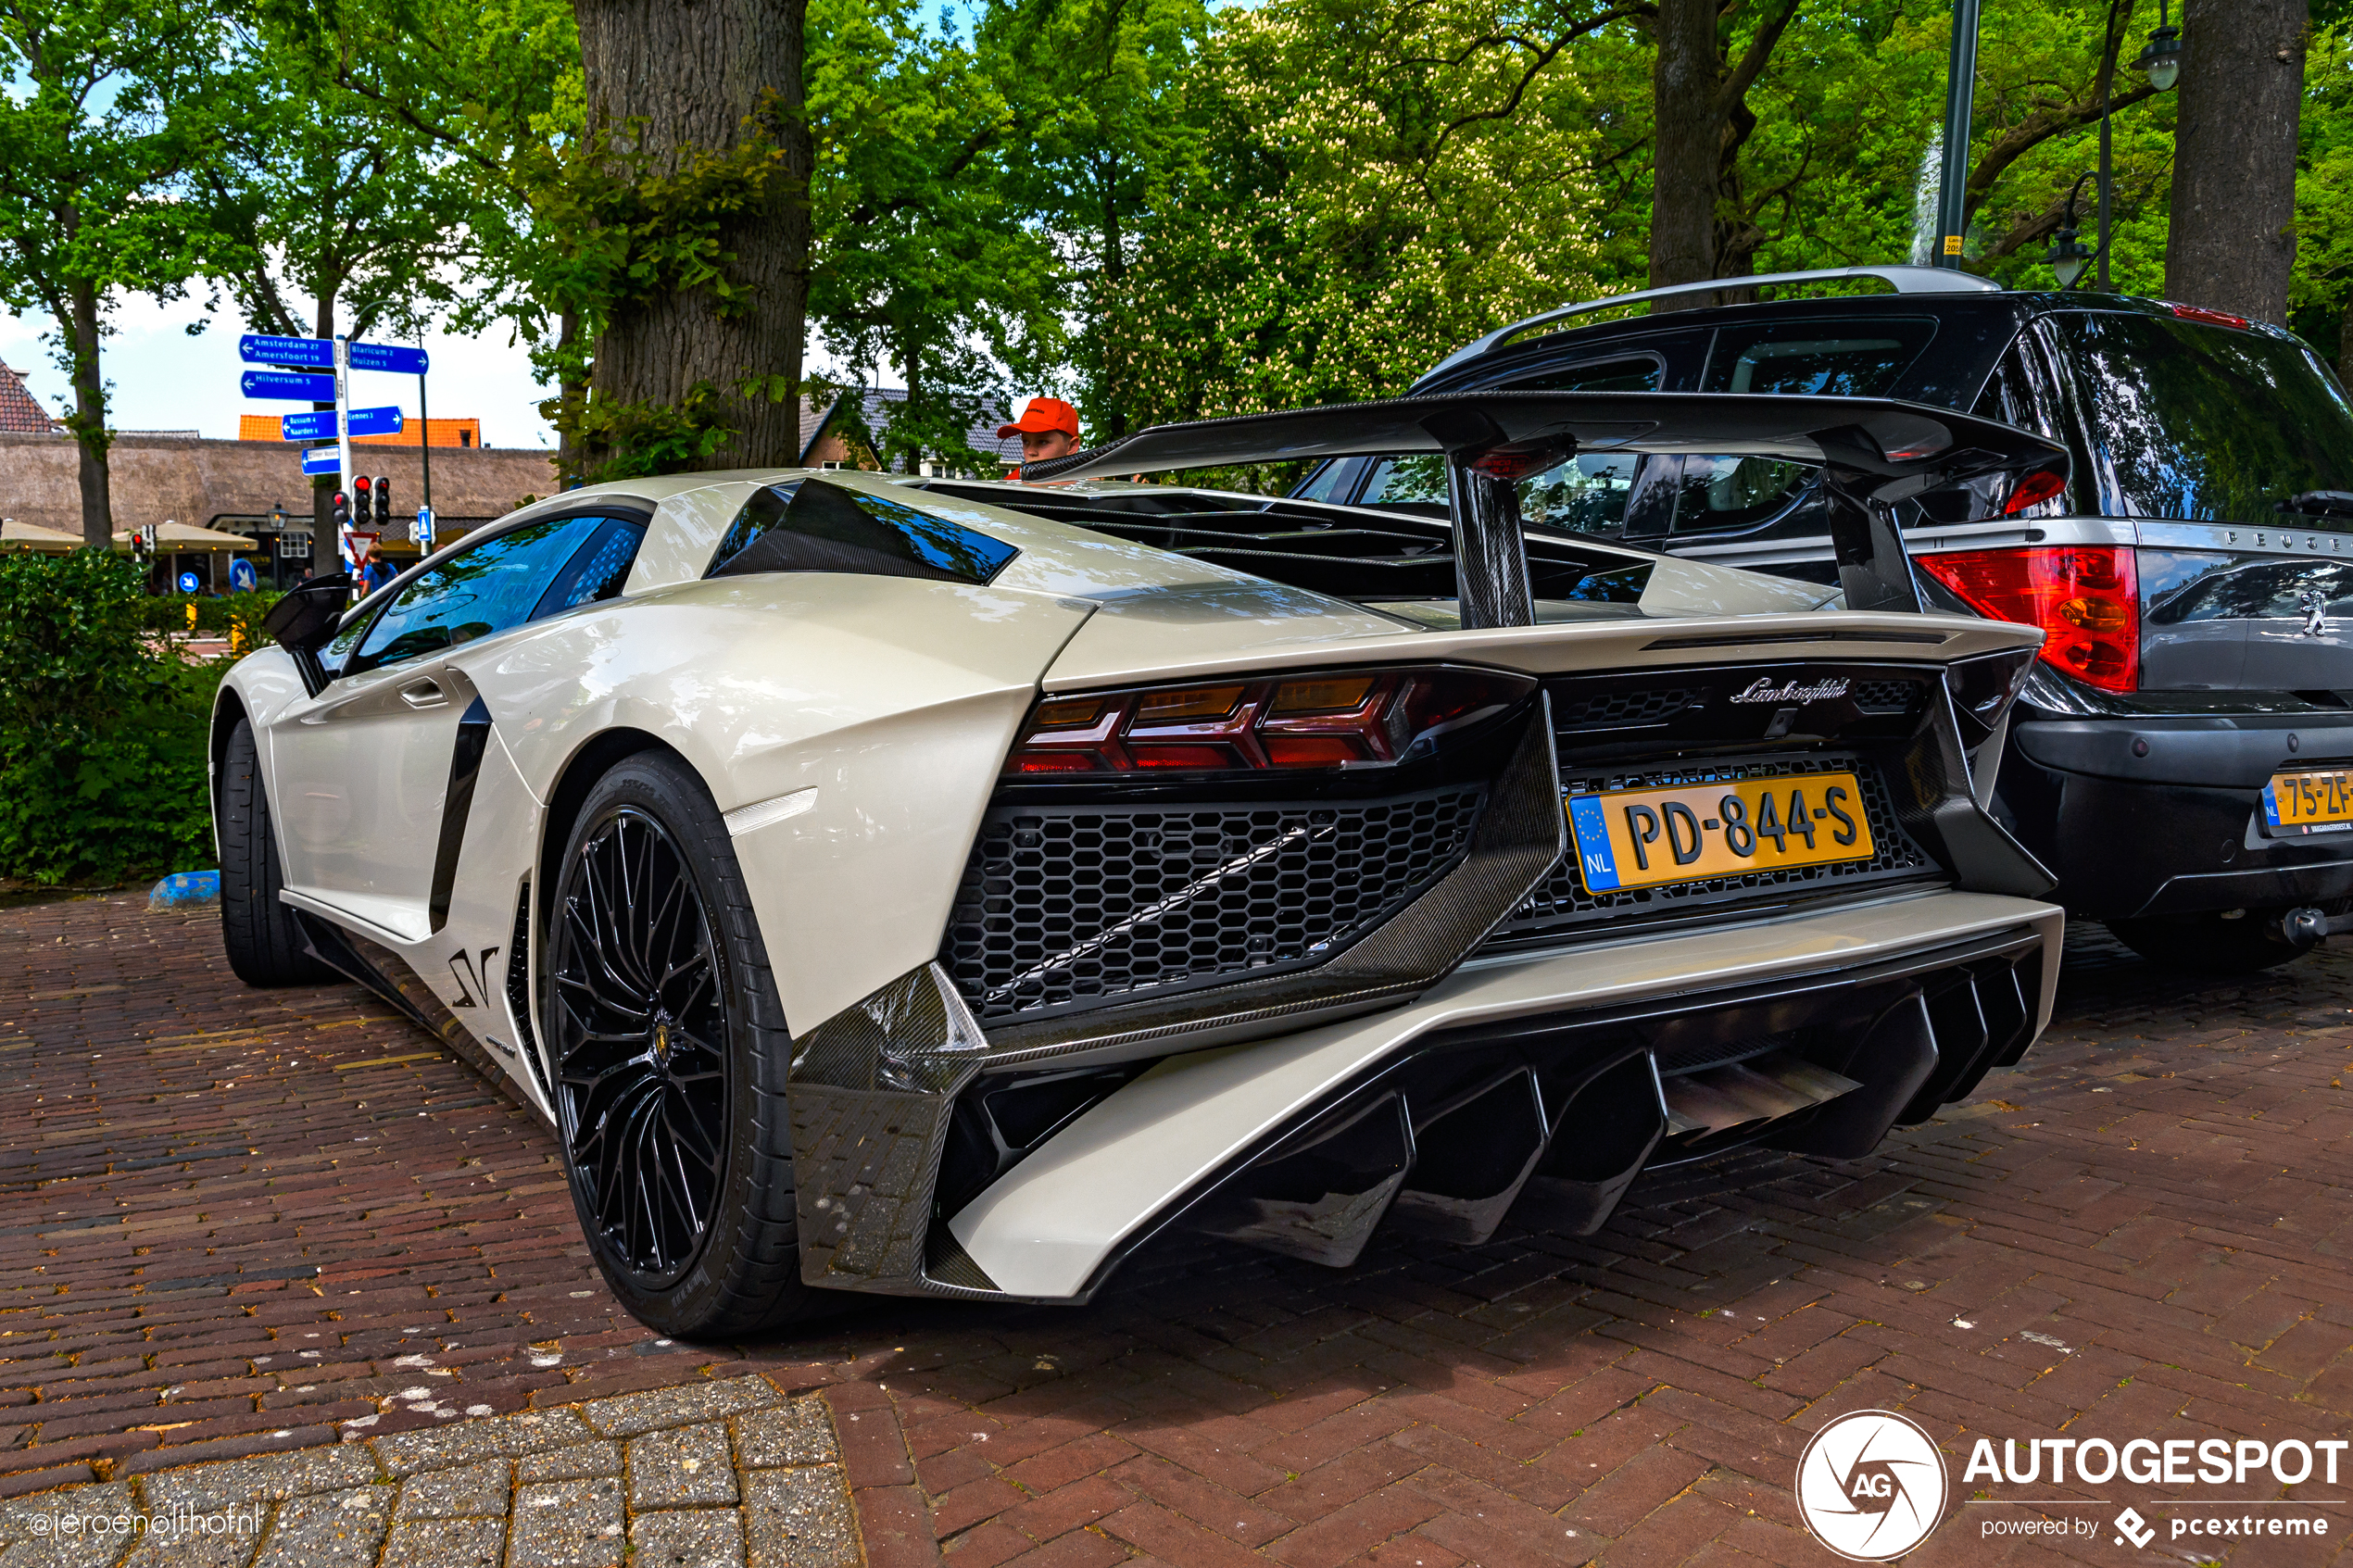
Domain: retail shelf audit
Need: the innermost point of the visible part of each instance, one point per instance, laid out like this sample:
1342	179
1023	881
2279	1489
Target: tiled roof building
20	410
823	429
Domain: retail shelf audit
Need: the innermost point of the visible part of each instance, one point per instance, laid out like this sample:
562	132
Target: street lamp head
2162	58
2066	257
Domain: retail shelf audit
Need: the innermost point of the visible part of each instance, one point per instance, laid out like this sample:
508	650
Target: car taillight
2211	317
2086	599
2032	491
1333	719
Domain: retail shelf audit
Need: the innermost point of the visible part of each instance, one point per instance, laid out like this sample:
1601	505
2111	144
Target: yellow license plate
2308	801
1688	833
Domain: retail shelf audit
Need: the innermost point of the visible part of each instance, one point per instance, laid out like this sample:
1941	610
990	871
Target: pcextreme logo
1871	1486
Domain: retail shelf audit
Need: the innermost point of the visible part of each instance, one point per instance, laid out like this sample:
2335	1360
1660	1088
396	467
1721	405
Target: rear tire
2207	943
669	1051
265	945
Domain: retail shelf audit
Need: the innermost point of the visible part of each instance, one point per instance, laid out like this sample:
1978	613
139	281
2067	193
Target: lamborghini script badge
1765	691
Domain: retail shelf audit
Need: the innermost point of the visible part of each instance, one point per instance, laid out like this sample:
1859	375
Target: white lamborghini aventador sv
941	887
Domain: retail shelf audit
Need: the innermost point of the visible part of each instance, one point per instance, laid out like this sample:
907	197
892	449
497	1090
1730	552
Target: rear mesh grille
1563	901
1887	697
1067	906
1621	710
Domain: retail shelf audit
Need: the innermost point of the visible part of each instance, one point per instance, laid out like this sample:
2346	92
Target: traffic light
383	503
359	500
339	512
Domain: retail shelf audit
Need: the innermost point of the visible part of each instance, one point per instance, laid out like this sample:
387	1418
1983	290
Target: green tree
2320	296
107	101
494	91
1378	180
924	257
1107	138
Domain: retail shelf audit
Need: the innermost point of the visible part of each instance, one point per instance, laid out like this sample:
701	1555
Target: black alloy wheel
667	1045
641	1068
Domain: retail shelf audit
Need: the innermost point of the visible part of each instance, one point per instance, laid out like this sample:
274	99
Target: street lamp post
1960	84
2068	253
2161	58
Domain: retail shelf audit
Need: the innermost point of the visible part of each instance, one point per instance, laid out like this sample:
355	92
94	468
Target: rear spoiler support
1490	549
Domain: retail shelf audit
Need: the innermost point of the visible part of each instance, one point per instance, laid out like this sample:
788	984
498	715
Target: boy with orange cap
1047	428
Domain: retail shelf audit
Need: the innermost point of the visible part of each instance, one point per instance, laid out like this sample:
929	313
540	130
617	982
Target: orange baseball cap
1043	414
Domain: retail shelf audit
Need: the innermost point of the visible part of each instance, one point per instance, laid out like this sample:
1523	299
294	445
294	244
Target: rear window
1845	357
815	525
2201	423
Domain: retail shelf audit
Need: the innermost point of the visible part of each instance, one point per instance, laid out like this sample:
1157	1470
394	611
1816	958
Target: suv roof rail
1906	279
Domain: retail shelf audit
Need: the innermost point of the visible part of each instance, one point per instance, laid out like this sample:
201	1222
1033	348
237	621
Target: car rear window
815	525
2201	423
1845	357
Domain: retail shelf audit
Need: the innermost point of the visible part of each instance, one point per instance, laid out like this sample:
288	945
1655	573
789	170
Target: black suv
2181	757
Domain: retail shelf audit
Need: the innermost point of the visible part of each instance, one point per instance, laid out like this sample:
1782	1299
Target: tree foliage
105	105
1375	181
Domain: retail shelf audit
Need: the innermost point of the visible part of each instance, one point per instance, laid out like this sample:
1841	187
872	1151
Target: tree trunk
665	79
2230	244
89	422
1686	139
569	397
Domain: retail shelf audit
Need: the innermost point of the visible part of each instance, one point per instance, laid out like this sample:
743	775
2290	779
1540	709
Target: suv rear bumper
2155	816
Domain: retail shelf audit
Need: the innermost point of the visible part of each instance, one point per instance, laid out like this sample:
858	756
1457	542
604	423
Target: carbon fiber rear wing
1873	452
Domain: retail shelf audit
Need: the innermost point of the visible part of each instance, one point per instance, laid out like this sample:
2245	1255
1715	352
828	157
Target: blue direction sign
321	459
389	357
374	422
260	348
319	423
284	385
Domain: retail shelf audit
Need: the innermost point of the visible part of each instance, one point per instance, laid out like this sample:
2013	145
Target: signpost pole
424	430
343	438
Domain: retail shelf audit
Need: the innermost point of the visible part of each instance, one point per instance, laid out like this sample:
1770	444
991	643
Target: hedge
102	724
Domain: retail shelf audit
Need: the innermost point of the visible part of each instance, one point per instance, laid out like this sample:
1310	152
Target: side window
1324	484
1586	494
1632	373
1419	480
1851	358
1715	494
477	592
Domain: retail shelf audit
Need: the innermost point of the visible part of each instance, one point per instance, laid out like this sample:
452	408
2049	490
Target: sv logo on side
470	977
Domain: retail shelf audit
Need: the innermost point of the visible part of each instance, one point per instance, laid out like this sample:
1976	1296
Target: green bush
102	729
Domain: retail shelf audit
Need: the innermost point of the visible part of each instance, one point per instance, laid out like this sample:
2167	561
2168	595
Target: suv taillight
1336	719
2086	599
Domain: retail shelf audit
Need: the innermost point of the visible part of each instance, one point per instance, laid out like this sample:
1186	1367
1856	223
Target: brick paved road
225	1243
